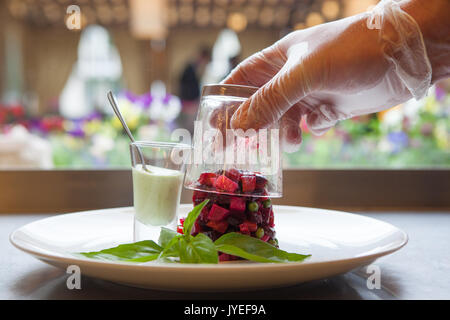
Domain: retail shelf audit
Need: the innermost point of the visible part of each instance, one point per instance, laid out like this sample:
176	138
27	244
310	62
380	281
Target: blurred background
58	59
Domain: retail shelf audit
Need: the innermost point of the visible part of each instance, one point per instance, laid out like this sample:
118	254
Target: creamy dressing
156	194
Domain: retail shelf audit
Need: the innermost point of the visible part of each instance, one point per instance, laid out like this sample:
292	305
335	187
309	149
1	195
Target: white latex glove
334	71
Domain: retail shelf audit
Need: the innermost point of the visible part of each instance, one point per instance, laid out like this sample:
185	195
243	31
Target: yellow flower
92	127
442	135
431	104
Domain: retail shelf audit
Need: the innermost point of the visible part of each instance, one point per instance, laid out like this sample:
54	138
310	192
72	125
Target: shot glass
228	161
158	170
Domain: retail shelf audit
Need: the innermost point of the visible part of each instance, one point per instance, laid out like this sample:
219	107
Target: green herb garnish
185	248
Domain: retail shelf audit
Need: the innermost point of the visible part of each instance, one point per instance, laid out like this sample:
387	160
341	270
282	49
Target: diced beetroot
217	213
271	219
260	182
224	183
237	204
196	228
204	214
229	213
220	226
248	183
207	178
198	196
251	226
212	234
255	217
265	214
233	174
244	229
269	231
225	257
236	219
223	200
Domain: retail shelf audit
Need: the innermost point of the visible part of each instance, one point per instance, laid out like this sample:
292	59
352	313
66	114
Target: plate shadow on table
50	283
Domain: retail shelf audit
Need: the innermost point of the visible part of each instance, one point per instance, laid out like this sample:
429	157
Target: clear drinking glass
219	152
158	171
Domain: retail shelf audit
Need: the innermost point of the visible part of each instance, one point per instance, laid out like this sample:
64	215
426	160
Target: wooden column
158	61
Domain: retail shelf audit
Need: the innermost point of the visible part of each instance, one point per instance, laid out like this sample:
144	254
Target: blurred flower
398	140
75	129
439	93
101	144
91	127
442	134
431	104
427	129
391	118
17	111
50	123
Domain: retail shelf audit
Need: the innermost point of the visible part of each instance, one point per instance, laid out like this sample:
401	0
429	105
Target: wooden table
421	270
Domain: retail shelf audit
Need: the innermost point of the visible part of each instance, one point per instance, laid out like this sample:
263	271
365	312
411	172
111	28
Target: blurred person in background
190	85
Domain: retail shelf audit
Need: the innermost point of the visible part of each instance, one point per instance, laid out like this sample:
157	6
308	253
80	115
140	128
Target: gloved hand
334	71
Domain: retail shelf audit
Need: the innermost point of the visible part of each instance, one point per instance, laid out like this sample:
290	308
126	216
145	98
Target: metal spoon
115	106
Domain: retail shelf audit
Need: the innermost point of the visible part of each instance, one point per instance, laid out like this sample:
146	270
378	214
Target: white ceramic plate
338	242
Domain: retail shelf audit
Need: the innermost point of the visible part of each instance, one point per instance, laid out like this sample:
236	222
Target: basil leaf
165	236
254	249
192	216
139	251
199	249
172	248
145	258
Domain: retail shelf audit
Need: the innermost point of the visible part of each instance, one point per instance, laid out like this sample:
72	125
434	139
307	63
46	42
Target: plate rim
202	266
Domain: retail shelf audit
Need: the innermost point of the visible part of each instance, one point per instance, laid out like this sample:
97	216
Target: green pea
259	233
252	206
267	203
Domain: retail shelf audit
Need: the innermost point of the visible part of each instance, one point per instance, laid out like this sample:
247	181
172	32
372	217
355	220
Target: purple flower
95	115
439	93
77	130
167	98
398	139
130	96
145	100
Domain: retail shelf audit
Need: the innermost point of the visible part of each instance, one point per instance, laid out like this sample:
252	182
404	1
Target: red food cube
260	182
217	213
204	214
182	221
226	257
248	183
265	238
271	220
244	229
251	226
219	226
198	196
237	204
233	174
224	183
180	229
196	228
207	178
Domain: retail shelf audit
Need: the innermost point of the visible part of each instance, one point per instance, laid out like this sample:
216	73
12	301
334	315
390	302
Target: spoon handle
115	106
112	101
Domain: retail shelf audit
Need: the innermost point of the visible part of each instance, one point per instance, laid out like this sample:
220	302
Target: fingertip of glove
291	137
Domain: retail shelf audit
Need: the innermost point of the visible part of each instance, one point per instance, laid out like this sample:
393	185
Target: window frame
57	191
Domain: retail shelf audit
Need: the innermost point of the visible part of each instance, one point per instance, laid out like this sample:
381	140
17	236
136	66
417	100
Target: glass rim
233	90
157	144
